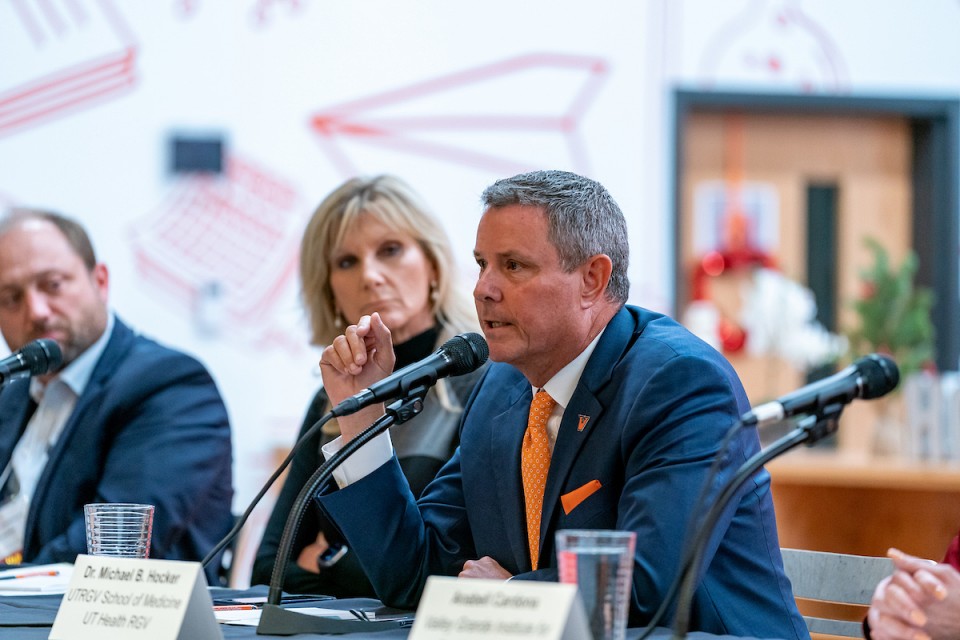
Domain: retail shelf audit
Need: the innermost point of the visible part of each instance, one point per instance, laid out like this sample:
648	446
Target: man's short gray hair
583	220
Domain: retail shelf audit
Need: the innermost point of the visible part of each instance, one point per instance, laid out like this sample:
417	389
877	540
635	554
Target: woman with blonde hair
372	246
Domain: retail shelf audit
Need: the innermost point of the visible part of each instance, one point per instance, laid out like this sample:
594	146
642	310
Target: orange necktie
534	464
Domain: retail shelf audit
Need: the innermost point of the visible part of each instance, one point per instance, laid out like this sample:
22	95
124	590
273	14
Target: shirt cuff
364	460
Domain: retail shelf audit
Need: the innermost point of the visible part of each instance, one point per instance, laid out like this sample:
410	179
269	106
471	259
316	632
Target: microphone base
277	621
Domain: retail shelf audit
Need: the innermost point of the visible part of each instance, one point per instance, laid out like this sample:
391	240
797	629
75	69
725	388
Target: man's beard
71	346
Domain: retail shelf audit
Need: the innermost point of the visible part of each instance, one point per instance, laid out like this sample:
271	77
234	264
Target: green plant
894	314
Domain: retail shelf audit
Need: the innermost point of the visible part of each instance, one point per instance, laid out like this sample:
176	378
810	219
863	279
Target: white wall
449	95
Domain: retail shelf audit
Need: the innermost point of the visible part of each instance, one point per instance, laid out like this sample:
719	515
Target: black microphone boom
459	355
33	359
869	377
823	401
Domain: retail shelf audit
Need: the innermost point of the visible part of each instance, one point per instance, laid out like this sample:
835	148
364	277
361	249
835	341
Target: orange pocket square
575	497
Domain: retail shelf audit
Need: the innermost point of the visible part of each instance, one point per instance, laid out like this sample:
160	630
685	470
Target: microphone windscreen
880	375
467	352
42	356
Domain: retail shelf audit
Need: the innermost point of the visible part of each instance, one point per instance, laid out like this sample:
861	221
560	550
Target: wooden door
867	159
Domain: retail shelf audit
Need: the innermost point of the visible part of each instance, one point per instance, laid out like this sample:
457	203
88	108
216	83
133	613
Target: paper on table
251	618
36	583
248	617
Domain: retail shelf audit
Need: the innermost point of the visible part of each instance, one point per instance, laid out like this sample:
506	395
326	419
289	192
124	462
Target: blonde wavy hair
392	202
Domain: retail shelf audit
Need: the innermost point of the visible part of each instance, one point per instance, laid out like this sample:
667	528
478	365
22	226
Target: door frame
935	129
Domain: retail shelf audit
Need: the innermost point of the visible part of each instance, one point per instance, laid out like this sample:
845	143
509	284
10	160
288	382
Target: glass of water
600	563
119	529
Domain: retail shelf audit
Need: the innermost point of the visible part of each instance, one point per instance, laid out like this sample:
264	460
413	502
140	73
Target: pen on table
234	607
30	575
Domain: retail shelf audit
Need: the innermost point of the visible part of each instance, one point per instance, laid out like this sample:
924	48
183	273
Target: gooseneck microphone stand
242	520
808	431
275	620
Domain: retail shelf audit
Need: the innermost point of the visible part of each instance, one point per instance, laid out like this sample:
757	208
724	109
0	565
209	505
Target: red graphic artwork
186	8
533	95
774	41
263	9
261	12
223	248
70	54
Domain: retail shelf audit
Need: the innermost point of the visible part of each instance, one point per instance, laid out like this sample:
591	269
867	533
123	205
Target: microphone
869	377
459	355
34	358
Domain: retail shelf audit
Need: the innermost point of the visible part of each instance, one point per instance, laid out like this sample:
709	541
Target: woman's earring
338	323
434	291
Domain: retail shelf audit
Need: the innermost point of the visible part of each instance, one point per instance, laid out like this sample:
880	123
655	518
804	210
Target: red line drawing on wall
440	118
263	9
70	54
774	41
223	248
186	8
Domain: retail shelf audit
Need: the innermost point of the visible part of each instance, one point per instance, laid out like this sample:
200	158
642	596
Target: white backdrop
448	95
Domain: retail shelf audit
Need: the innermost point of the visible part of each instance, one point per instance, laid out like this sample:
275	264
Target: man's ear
596	275
101	280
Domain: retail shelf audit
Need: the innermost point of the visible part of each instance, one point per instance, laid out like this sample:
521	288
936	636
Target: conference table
30	617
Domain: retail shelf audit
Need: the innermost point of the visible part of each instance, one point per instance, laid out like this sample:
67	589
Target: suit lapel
120	342
582	419
570	440
16	399
506	440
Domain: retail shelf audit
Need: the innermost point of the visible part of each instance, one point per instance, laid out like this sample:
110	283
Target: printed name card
130	598
453	608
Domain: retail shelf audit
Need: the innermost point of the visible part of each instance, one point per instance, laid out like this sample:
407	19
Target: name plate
454	608
130	598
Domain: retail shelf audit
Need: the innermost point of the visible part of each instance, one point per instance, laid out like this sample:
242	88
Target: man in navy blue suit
123	420
640	408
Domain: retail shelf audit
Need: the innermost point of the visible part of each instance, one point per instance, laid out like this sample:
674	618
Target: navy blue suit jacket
150	427
642	429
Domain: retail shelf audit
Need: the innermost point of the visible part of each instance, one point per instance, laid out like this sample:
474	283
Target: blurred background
788	170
